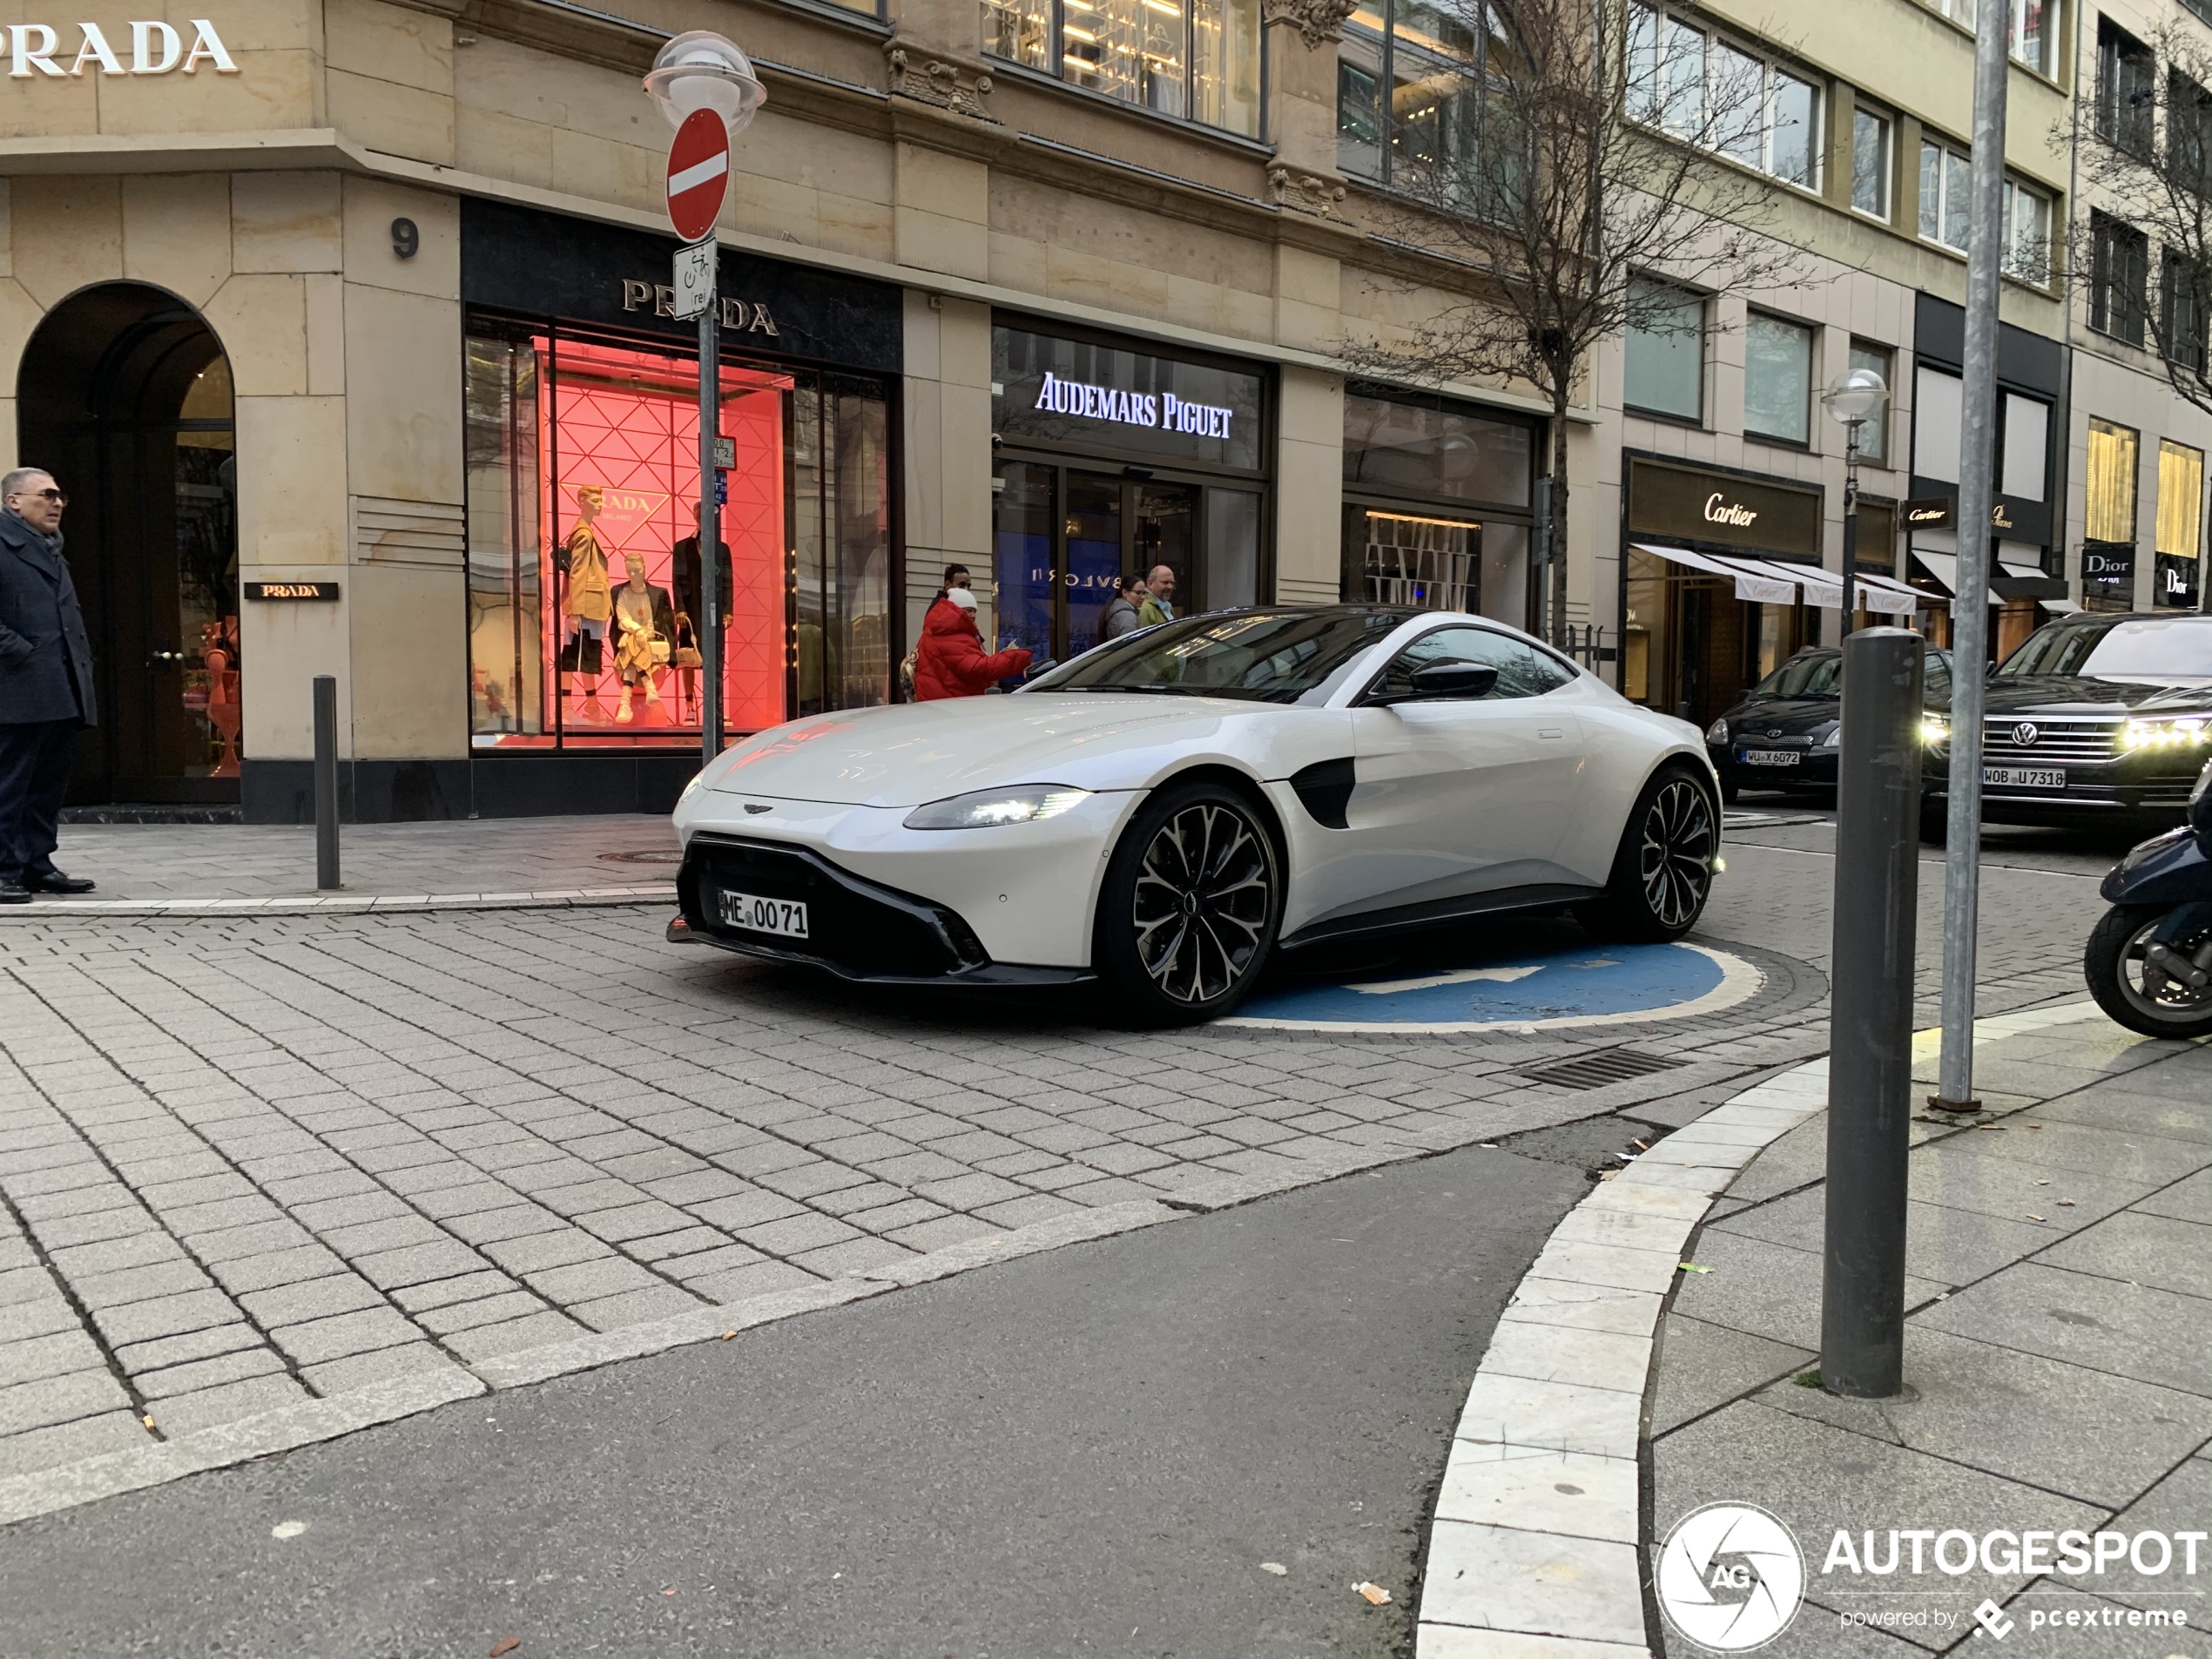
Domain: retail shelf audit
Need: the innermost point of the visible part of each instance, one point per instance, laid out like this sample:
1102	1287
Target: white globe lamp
700	70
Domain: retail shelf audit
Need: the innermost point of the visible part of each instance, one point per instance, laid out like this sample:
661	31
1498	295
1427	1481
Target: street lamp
700	70
1854	399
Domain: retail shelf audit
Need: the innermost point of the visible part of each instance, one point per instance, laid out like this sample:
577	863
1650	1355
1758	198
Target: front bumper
2148	788
857	929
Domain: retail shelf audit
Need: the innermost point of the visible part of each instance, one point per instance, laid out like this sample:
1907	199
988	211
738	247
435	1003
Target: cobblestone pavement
250	1162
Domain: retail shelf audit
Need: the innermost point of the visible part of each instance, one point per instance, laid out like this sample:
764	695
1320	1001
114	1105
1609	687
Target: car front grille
2055	740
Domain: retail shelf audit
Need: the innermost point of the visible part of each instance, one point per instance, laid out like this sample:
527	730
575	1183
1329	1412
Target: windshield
1819	676
1264	656
2137	648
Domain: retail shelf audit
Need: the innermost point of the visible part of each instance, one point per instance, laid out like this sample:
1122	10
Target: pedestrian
1152	605
951	661
1120	617
955	577
46	684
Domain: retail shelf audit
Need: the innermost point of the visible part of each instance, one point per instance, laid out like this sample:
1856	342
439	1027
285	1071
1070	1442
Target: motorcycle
2149	961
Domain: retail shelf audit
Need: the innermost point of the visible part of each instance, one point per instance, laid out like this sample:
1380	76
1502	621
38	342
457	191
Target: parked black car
1782	735
2101	718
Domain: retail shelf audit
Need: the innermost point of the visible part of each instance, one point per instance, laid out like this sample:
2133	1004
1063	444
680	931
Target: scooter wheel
2132	992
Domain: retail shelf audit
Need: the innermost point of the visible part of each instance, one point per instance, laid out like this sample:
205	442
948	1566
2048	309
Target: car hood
907	753
1790	718
2060	694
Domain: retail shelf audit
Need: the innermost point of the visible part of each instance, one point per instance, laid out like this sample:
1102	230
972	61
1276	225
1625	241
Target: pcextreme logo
1730	1577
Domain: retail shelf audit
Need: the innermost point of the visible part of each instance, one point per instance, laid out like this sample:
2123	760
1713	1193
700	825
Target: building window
1870	163
2026	234
1411	85
1946	210
2109	485
2023	448
2182	297
2189	132
2180	524
2127	96
1874	434
2119	270
1196	59
1777	380
2032	28
1701	87
1666	351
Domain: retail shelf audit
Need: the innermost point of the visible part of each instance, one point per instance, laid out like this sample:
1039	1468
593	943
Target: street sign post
698	176
694	278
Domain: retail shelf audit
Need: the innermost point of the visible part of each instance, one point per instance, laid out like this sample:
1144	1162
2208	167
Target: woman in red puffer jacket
951	661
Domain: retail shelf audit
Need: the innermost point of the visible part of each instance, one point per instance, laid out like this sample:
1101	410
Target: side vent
1324	789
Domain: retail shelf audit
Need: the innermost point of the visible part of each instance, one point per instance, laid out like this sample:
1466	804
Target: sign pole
709	525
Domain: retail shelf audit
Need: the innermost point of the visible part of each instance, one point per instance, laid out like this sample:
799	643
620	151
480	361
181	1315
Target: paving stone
94	1226
198	1344
346	1333
186	1412
64	1443
480	1310
635	1307
312	1299
854	1256
46	1400
740	1284
139	1250
948	1230
167	1316
790	1237
235	1366
745	1209
53	1353
587	1281
97	1291
440	1258
336	1376
277	1267
441	1292
549	1249
513	1336
380	1237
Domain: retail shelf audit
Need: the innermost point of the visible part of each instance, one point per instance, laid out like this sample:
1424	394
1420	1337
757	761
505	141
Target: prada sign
1687	504
659	299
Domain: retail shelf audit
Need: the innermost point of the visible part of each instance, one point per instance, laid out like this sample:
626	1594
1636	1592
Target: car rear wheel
1192	900
1663	872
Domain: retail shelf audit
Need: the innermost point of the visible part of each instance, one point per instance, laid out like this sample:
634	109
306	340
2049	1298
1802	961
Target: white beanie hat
961	597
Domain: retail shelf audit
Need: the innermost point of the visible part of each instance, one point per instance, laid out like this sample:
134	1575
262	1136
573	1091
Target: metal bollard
326	782
1870	1020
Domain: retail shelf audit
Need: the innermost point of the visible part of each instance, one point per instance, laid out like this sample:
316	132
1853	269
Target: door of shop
125	396
1061	535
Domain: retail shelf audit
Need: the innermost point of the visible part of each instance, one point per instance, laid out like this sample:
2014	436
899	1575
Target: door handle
1550	731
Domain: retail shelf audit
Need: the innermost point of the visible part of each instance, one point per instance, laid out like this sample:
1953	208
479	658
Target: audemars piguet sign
151	47
1689	504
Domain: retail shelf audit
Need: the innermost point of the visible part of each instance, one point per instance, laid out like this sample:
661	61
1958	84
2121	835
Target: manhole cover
654	856
1606	1066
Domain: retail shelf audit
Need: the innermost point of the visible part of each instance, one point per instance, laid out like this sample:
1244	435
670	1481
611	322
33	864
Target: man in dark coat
46	684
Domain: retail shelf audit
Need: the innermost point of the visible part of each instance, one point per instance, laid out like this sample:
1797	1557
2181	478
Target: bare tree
1588	164
2146	172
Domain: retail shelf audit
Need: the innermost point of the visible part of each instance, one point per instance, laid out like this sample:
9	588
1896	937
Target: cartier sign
1940	513
1687	504
154	48
740	316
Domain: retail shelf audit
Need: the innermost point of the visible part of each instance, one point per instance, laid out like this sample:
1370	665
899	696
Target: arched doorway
125	396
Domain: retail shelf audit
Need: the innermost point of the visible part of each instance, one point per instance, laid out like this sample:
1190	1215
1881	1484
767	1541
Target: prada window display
585	599
1697	630
1110	459
1436	505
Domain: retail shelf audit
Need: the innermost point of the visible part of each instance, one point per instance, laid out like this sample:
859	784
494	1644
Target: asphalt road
1088	1452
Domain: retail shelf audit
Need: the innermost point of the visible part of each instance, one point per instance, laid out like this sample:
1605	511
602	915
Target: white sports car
1166	812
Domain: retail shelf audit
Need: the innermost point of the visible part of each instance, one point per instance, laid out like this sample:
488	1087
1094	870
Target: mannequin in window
644	635
585	601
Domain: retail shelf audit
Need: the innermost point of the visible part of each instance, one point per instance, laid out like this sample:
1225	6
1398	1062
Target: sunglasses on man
53	495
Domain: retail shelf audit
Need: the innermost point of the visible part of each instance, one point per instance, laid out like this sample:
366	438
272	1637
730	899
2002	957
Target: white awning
1772	582
2059	607
1759	587
1944	567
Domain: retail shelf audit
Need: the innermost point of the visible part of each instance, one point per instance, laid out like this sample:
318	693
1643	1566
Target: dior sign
157	48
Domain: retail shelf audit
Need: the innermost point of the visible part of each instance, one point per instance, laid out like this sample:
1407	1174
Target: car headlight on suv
1717	732
988	808
2183	731
1935	730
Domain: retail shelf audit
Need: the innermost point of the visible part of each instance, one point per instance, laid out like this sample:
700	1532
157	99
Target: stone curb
338	904
1534	1549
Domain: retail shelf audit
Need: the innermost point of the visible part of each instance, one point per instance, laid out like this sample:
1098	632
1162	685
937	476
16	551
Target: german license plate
2025	777
782	917
1769	757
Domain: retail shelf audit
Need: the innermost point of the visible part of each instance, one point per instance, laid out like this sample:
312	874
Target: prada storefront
1722	581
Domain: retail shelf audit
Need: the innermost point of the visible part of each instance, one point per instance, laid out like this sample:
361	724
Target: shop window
2108	489
1874	434
2119	272
2023	447
1870	163
2126	89
1777	380
1413	105
1665	367
2180	524
1195	59
586	601
1715	92
1937	406
1403	447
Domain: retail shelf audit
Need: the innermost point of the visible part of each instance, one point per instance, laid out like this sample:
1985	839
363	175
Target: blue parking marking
1589	985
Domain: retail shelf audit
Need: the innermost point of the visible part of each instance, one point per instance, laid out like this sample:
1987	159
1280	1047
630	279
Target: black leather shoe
14	892
55	882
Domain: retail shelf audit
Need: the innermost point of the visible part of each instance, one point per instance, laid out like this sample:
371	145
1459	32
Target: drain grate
1606	1066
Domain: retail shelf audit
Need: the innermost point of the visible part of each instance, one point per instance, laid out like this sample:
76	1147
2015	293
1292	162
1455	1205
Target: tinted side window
1522	669
1935	676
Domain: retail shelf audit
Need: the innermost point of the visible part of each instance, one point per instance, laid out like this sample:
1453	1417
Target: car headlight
1832	738
1717	732
1935	730
2184	732
987	808
2203	783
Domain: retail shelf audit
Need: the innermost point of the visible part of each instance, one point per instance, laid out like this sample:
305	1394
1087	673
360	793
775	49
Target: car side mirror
1442	682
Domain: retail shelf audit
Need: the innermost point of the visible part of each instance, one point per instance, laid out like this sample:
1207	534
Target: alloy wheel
1675	862
1204	899
2149	988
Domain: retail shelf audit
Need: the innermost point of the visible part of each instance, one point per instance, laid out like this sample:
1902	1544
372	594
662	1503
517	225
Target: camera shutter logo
1730	1577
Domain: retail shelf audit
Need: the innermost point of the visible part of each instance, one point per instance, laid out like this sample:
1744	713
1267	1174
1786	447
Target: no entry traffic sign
698	173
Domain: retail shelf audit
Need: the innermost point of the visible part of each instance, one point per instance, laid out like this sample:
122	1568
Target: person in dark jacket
951	661
1120	617
46	684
